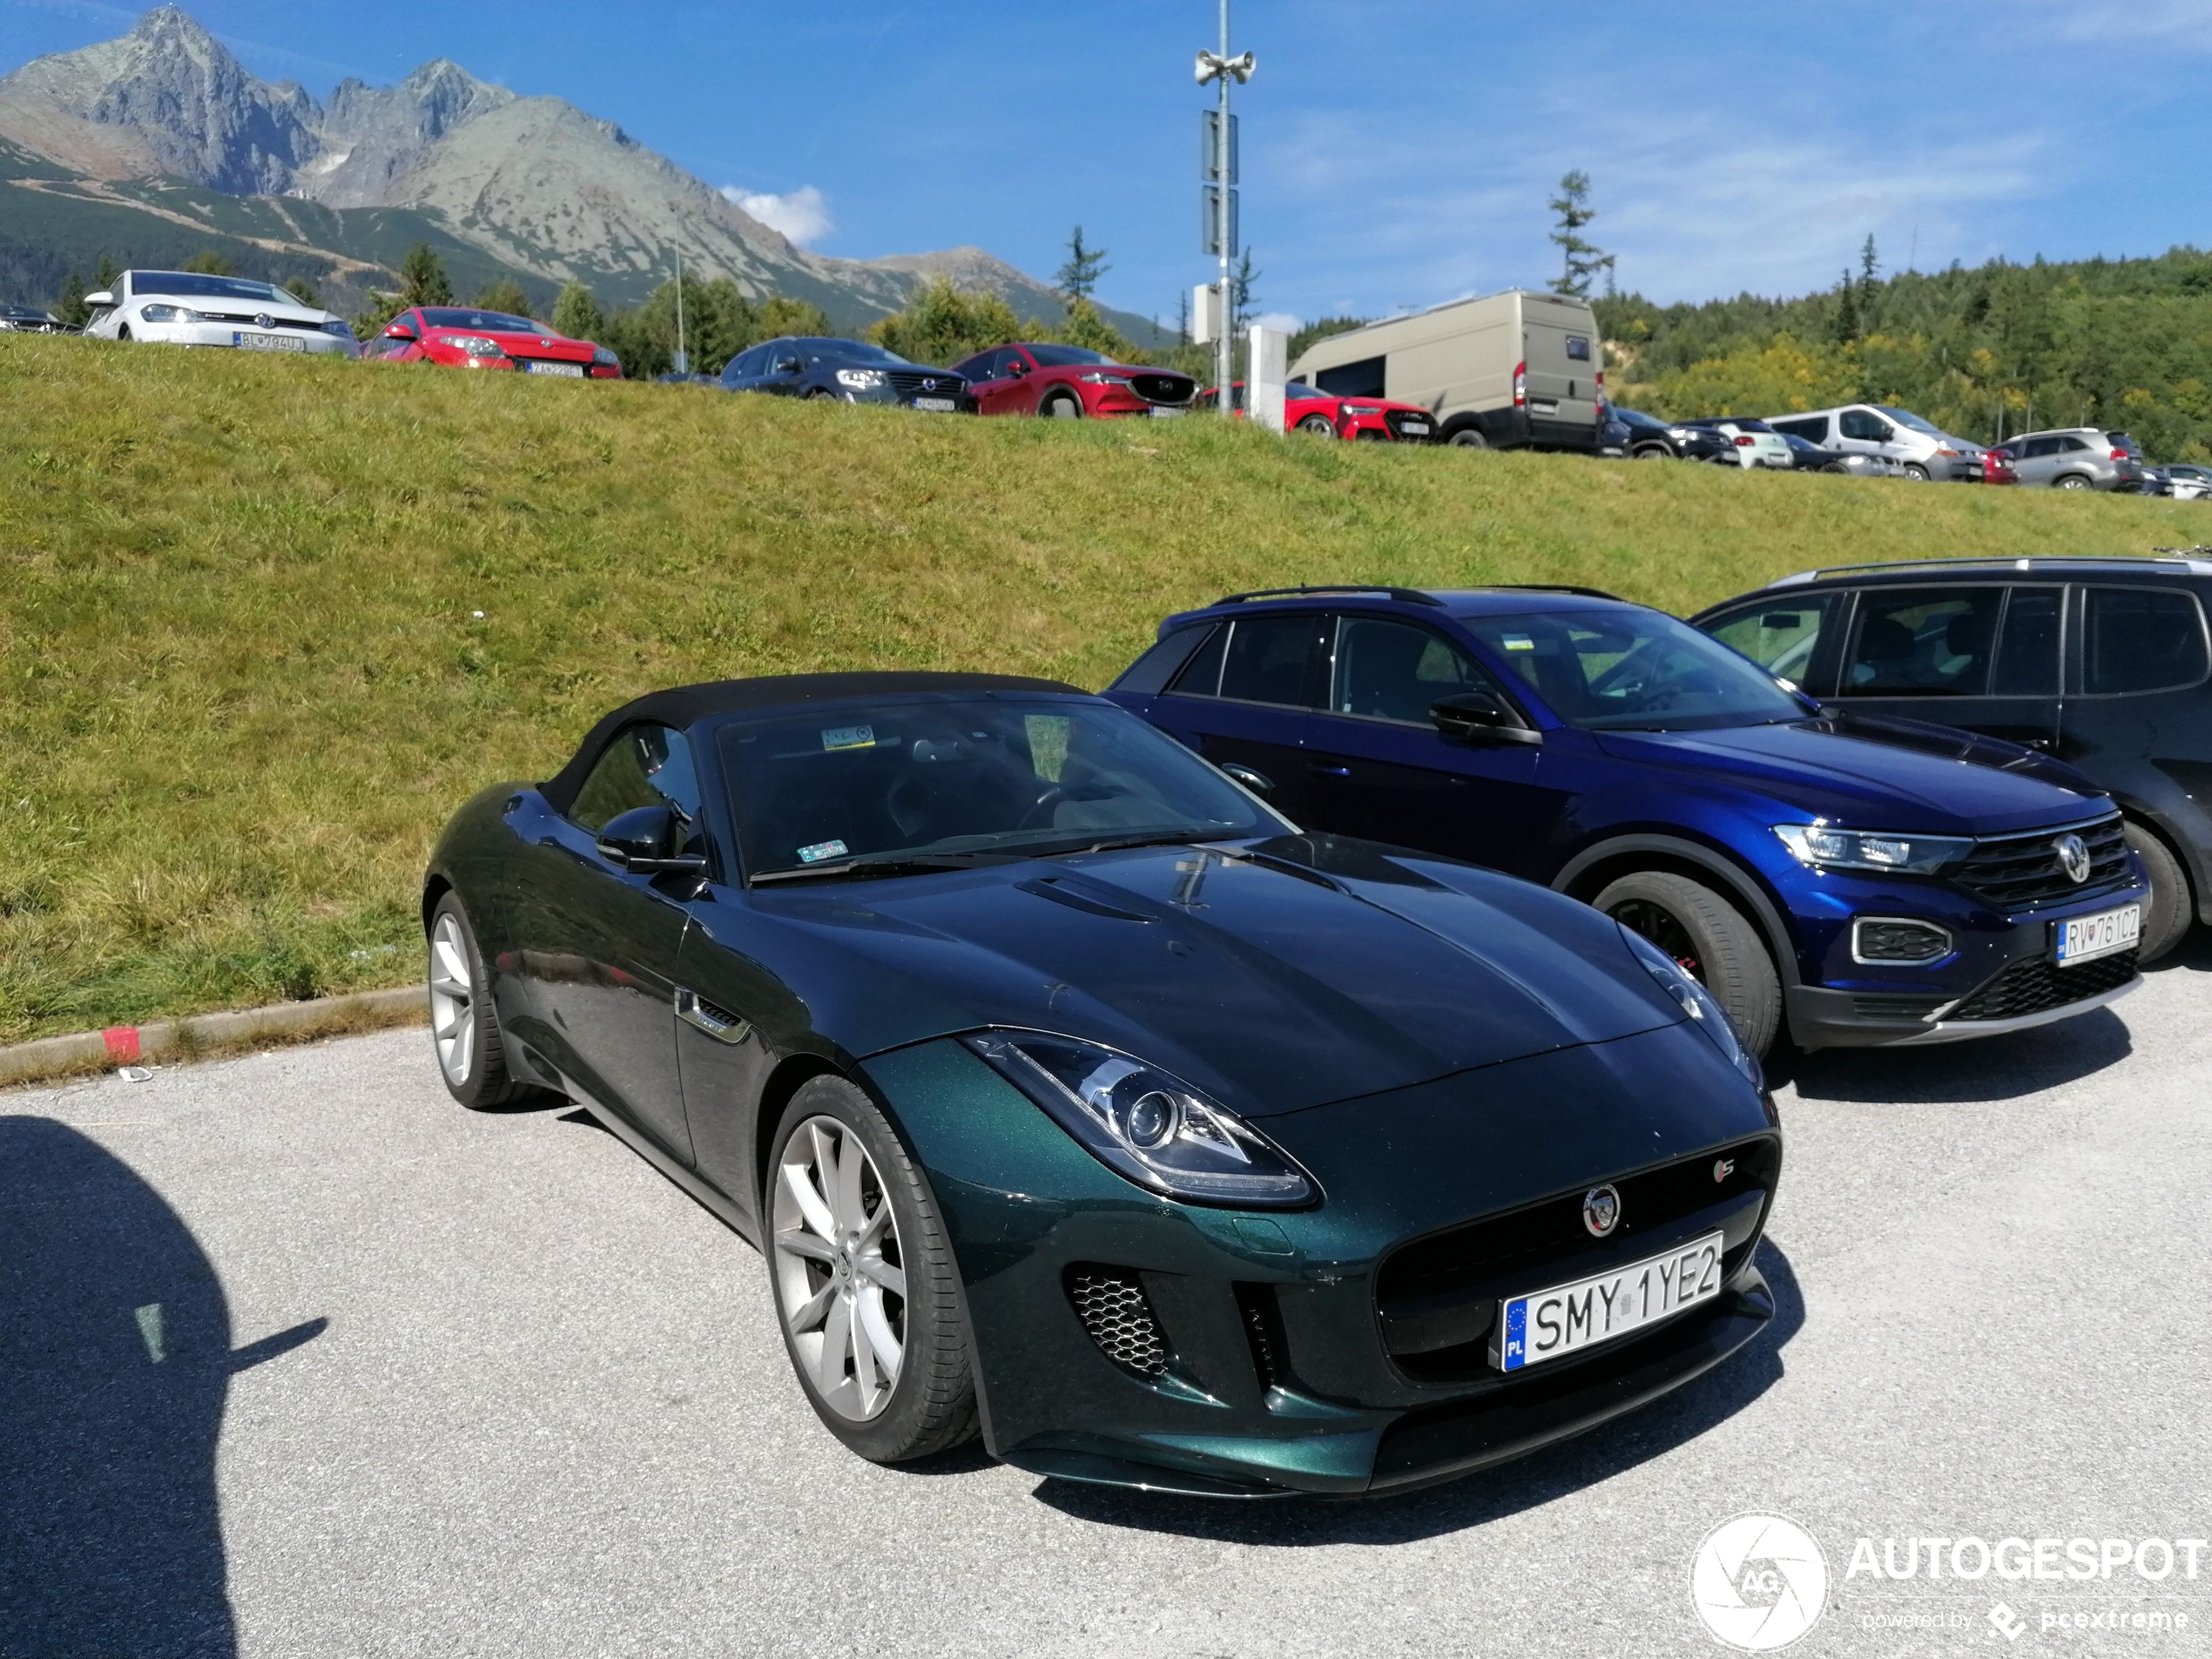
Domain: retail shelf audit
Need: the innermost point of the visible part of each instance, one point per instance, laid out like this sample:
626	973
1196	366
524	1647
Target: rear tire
1062	407
1469	437
1711	939
464	1026
931	1402
2168	911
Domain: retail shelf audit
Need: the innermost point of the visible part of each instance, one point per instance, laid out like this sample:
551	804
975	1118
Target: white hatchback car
1756	443
192	308
2188	484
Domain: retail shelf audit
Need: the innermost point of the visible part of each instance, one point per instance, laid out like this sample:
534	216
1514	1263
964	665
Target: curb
206	1033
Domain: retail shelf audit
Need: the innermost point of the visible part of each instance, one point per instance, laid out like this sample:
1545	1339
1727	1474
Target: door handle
718	1023
1320	770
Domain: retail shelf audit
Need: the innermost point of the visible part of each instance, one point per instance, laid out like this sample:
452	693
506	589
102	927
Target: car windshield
1624	671
1293	388
1638	418
851	351
1065	356
499	322
1795	441
194	284
1022	776
1905	417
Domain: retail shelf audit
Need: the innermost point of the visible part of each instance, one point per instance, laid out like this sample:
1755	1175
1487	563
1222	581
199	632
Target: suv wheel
2167	912
1654	452
1711	939
1062	406
2073	481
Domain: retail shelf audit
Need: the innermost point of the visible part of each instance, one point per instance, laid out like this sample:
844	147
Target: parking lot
495	1387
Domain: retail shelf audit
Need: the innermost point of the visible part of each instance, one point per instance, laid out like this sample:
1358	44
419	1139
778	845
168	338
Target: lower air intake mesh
1111	1303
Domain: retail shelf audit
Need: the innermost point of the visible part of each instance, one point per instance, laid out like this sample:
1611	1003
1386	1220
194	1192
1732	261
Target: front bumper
229	336
1279	1362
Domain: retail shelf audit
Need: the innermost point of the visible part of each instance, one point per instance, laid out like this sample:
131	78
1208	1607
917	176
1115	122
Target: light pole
1220	195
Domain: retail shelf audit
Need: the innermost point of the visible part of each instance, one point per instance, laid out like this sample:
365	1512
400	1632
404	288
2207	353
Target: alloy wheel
1662	929
840	1282
452	1000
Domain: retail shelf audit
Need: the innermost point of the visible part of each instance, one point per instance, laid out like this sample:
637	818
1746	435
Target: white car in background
1756	443
191	309
2185	482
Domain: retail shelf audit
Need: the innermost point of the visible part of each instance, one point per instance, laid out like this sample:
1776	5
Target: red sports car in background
1068	382
465	337
1323	414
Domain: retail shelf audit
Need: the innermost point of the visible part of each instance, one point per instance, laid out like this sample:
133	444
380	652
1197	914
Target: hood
512	342
1275	977
1865	772
230	309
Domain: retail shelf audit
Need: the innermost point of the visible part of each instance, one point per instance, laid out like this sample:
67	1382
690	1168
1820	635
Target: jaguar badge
1600	1210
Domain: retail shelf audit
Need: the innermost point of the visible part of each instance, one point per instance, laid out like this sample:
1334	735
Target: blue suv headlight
1823	848
1703	1007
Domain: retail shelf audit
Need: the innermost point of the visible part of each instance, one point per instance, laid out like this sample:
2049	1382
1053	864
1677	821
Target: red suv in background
468	337
1068	382
1323	414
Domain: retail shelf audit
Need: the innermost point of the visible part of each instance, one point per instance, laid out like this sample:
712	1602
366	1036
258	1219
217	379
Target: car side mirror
787	366
1259	782
644	841
1015	370
399	331
1477	717
105	297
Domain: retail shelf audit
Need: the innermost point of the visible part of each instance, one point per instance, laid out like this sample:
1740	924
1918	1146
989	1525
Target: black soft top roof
684	706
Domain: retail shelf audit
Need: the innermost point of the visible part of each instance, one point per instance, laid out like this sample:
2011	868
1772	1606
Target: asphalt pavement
298	1358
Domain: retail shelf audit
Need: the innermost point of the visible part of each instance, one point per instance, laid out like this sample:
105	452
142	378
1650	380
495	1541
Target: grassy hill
263	624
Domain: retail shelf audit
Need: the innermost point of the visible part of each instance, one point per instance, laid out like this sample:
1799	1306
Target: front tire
1653	452
1317	426
1469	437
1711	939
867	1291
1062	407
2167	912
464	1026
1916	472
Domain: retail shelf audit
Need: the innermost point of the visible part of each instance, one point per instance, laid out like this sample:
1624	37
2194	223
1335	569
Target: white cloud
1283	319
802	214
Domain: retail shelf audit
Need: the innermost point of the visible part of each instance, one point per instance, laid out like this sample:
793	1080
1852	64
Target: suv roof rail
1553	586
2196	559
1403	596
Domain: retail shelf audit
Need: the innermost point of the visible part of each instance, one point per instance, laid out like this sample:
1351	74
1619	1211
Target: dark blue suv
1857	880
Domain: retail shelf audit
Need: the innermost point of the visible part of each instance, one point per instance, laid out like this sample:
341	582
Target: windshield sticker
1519	642
822	850
849	737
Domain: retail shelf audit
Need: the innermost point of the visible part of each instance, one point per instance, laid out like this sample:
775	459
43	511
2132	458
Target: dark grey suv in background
2106	662
2079	458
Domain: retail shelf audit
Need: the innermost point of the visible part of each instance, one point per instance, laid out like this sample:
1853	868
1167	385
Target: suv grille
2036	983
1111	1303
2015	872
1437	1295
908	383
1162	388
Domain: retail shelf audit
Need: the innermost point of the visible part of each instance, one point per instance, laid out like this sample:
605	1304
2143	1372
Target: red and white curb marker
125	1045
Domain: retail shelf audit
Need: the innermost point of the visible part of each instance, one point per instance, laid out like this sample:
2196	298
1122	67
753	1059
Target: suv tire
1654	452
1062	406
2167	912
1712	939
2072	481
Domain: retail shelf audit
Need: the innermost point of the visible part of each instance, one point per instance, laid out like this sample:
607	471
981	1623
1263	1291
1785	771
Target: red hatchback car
465	337
1068	382
1322	414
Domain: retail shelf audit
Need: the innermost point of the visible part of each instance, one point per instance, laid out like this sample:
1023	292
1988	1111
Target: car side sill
704	1192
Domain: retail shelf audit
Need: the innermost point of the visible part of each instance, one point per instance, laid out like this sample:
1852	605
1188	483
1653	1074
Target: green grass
245	679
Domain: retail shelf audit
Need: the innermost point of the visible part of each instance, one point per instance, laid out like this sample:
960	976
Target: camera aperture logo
1758	1582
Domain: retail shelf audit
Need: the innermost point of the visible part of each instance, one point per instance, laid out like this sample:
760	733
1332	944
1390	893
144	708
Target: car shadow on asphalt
1984	1068
1479	1499
116	1365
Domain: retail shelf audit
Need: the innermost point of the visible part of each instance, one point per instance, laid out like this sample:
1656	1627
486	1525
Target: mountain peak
165	24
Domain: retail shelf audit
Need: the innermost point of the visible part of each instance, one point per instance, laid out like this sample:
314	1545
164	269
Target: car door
1383	770
1244	700
1787	635
1563	382
783	373
2136	723
597	947
735	1018
1984	656
2039	460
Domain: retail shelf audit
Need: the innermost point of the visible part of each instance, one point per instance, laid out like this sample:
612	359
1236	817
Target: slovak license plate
1413	428
573	371
267	342
2085	938
1544	1325
1159	414
936	405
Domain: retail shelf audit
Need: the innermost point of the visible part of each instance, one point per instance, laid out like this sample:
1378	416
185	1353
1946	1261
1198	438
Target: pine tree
506	295
1078	278
1847	322
210	263
423	279
105	275
576	314
70	308
302	289
1241	281
1582	258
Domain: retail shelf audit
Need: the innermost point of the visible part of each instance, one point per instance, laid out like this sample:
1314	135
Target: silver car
196	308
2078	458
1920	449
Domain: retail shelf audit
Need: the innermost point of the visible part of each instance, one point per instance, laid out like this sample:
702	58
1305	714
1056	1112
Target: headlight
1144	1125
1097	377
169	313
474	345
1835	849
602	358
1703	1007
860	380
1360	408
338	330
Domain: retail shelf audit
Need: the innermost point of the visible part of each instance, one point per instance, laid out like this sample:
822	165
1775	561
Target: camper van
1512	371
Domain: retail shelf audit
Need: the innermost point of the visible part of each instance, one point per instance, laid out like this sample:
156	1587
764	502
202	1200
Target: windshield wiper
1159	837
899	864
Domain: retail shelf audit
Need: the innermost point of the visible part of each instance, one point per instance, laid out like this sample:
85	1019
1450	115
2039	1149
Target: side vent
1263	1323
1111	1303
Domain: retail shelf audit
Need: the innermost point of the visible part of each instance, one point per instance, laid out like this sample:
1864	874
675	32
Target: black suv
851	370
2103	662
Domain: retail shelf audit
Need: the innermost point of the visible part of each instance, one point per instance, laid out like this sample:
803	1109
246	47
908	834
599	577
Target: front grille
1111	1303
1396	418
1162	388
2036	984
2017	872
1437	1295
915	383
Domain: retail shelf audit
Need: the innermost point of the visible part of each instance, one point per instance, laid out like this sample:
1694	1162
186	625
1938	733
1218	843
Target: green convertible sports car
1077	1098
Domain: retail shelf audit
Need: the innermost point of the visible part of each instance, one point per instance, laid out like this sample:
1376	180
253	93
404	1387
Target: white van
1924	450
1514	370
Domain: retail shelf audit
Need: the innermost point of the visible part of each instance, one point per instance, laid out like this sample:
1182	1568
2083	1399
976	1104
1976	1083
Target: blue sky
1396	152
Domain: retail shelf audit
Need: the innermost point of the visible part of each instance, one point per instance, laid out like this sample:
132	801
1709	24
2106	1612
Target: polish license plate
1159	414
936	405
1545	1325
1414	428
572	371
2085	938
267	342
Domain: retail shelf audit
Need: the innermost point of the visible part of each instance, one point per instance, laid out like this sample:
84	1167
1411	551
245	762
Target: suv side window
644	765
1267	657
1780	635
1149	673
2036	449
2027	653
2141	639
2071	445
1393	670
1922	642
